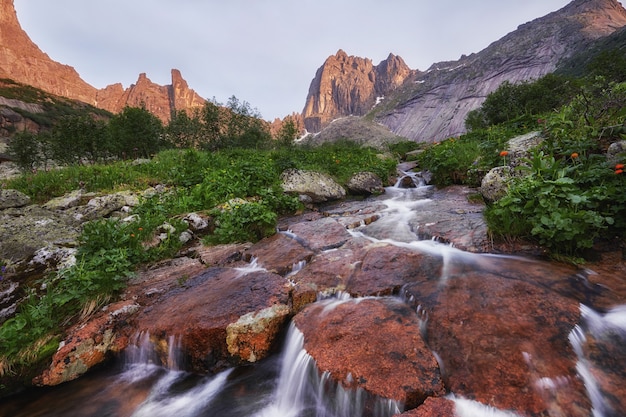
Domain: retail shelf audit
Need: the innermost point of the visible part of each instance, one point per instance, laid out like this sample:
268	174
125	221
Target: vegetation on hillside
237	187
569	195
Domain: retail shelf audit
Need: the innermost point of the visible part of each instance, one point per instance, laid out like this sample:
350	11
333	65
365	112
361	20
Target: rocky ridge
22	61
431	105
348	85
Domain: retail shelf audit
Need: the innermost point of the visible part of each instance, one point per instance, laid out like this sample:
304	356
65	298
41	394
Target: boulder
500	327
433	407
319	235
278	253
99	207
365	183
64	202
87	345
494	184
616	153
222	317
13	199
316	186
372	344
23	231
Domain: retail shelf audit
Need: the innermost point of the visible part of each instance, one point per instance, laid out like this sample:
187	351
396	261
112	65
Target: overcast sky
265	52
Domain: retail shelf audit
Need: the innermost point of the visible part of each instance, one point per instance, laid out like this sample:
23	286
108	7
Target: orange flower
619	171
574	155
504	153
619	166
132	235
140	229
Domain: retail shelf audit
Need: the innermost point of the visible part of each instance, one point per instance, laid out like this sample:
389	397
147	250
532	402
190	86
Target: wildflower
619	166
574	155
337	161
140	229
618	171
132	235
504	153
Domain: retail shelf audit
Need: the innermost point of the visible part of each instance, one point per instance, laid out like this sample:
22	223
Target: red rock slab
279	253
200	310
319	235
373	344
87	345
432	407
386	268
499	337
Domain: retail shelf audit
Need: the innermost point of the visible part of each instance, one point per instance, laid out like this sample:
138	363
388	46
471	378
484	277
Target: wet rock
279	253
319	235
200	310
373	344
497	334
365	183
252	336
13	199
328	273
87	345
450	217
318	187
385	269
432	407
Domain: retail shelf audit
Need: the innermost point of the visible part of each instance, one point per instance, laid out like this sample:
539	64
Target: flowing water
150	382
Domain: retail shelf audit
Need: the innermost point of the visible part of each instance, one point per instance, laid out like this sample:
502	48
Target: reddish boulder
210	311
500	336
386	268
87	345
279	253
373	344
432	407
319	235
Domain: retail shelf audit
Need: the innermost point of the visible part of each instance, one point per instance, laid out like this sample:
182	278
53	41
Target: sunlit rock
373	344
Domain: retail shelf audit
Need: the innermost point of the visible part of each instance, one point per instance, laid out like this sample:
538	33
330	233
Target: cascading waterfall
302	390
611	325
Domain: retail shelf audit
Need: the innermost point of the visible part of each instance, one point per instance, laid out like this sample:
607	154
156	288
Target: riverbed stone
200	310
320	235
372	344
87	345
365	183
497	334
279	253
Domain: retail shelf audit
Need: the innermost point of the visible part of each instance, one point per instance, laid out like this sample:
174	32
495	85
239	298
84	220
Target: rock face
22	61
158	99
441	98
389	360
433	104
349	85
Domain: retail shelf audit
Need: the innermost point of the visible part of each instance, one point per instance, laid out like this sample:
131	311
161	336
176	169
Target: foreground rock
373	344
222	317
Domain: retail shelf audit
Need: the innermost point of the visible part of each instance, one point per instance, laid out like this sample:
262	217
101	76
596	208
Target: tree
183	131
288	132
75	138
24	148
135	132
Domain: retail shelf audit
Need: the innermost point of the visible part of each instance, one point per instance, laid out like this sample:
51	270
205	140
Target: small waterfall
608	329
253	266
469	408
302	391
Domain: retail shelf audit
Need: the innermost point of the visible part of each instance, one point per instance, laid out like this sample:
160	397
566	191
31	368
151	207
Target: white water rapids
289	384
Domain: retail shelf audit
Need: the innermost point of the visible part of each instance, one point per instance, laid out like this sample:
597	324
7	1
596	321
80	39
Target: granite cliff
22	61
432	105
348	85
